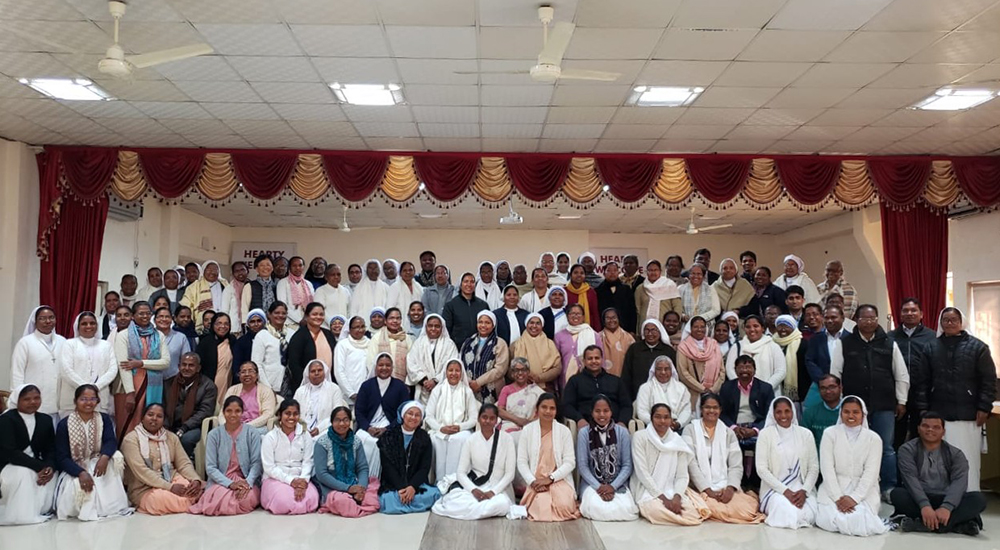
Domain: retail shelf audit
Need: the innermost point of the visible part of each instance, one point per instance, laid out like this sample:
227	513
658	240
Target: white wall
973	253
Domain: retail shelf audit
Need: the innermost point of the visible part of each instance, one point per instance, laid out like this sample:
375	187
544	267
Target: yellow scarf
790	344
581	298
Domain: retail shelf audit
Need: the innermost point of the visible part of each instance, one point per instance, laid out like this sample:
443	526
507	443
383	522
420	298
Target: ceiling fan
692	229
119	65
344	228
553	48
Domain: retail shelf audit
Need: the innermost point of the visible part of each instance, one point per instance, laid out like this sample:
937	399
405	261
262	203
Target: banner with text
247	252
605	255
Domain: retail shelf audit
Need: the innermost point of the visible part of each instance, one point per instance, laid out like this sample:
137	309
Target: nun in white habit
22	499
451	414
664	386
86	359
350	358
36	358
370	293
317	397
488	291
794	275
427	359
788	467
850	458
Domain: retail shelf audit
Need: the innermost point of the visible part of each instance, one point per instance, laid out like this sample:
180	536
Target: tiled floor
263	531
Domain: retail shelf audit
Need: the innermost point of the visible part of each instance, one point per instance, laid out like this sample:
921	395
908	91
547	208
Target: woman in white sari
664	386
370	292
850	458
451	414
428	356
537	297
90	483
788	467
767	355
485	472
350	358
27	459
405	291
318	396
660	474
86	359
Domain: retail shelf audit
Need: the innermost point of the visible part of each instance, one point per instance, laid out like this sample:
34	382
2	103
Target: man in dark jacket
874	370
765	294
190	398
959	383
914	341
581	389
745	402
825	348
640	355
460	312
614	293
933	497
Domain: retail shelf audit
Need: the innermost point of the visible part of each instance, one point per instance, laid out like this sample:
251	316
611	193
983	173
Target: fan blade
365	228
557	43
491	72
711	227
166	56
582	74
675	226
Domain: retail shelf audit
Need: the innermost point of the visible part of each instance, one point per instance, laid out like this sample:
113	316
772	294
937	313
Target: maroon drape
630	178
171	172
537	177
447	178
808	180
264	175
50	195
979	179
88	171
68	281
355	176
900	182
718	180
915	249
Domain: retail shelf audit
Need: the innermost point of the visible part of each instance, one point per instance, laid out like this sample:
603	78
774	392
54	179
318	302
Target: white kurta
36	362
350	366
475	457
850	468
678	398
450	405
802	280
82	363
232	305
335	300
106	499
266	353
532	302
286	460
401	296
427	359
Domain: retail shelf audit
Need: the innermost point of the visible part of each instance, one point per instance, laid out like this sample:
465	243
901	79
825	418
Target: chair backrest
4	395
274	420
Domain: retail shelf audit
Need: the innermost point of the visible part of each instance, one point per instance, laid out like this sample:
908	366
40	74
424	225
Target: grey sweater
954	467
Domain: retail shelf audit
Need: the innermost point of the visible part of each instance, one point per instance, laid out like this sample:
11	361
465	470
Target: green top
818	418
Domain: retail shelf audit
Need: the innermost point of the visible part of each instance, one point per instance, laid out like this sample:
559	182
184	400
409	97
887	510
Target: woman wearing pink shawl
699	361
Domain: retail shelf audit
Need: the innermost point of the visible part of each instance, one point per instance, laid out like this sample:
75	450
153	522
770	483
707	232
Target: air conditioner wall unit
123	212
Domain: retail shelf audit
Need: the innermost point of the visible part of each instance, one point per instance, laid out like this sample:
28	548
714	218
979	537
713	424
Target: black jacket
503	324
14	439
959	379
404	467
638	358
460	317
163	292
761	395
301	350
868	370
772	296
580	391
620	296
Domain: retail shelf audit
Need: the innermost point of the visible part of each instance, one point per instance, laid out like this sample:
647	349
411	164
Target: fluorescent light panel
368	94
953	99
78	89
664	96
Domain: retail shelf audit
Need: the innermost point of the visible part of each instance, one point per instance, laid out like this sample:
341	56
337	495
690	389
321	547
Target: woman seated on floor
27	459
717	467
341	470
258	399
850	458
235	446
546	456
158	473
788	467
485	473
287	459
451	413
318	396
604	453
90	485
660	461
406	456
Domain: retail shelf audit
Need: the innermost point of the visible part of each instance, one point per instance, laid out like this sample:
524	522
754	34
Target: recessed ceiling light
73	89
368	94
433	216
569	217
664	96
955	99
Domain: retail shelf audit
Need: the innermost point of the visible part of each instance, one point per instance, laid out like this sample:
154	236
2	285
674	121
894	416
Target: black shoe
913	525
970	528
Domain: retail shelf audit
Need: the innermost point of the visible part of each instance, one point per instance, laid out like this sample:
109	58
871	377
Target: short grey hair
523	361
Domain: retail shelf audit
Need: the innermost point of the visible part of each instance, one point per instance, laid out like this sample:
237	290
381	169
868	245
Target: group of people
489	398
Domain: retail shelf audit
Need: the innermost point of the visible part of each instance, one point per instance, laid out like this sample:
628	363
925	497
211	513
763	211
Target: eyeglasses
947	321
88	400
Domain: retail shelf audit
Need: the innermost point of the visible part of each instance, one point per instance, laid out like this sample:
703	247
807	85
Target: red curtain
264	175
447	178
900	182
50	196
74	247
537	177
808	180
979	179
718	180
629	179
915	249
355	176
88	171
171	172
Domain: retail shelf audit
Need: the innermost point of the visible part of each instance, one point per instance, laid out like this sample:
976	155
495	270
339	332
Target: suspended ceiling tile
819	133
428	13
909	15
782	117
356	70
143	90
294	92
236	92
849	117
624	145
446	114
227	11
512	115
438	71
885	98
449	130
633	131
601	43
585	115
248	128
681	73
914	118
307	128
517	96
882	47
510	42
274	69
521	13
718	96
316	112
589	96
260	39
848	15
573	131
911	75
396	144
567	145
419	94
336	142
218	141
648	115
713	115
453	144
328	12
842	75
368	113
725	14
196	126
162	109
433	42
387	129
807	98
209	67
104	109
248	111
502	145
763	133
784	45
698	131
962	47
342	40
761	74
512	131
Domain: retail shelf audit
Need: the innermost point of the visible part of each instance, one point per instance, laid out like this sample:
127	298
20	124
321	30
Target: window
984	316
